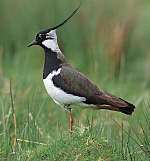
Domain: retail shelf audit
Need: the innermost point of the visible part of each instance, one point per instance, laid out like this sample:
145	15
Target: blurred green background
103	38
106	40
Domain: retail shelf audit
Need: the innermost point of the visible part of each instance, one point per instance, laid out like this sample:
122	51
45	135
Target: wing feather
73	82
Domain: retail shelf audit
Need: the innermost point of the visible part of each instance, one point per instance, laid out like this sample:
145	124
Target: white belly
58	95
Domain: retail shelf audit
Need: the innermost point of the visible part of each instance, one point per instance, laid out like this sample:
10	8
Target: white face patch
51	44
52	34
59	96
51	41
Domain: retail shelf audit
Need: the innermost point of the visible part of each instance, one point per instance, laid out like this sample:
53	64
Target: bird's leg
70	117
70	120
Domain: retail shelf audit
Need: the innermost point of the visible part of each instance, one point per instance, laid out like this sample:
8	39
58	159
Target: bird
66	85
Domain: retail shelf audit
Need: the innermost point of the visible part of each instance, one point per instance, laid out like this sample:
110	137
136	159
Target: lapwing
67	86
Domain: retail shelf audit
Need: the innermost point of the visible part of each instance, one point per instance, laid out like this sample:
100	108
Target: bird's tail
128	109
116	104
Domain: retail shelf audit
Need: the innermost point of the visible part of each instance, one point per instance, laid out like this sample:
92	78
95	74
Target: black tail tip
128	109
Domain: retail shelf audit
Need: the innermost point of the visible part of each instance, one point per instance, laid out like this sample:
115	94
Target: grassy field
106	40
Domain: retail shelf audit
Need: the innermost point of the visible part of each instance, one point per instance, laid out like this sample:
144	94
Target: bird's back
73	82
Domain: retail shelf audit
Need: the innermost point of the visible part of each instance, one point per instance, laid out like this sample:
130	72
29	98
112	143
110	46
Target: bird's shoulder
74	82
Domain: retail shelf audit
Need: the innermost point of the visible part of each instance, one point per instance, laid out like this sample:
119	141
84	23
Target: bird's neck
53	61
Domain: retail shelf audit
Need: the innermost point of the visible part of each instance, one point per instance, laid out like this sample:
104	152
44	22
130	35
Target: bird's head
47	38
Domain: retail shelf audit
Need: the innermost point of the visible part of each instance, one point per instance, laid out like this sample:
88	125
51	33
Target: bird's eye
40	37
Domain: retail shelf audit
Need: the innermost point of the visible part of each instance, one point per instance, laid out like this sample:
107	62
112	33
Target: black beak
34	42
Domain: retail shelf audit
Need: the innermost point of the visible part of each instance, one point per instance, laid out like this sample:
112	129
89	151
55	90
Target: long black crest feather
62	23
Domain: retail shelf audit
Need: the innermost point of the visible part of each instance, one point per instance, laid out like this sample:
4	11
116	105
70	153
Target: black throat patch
52	62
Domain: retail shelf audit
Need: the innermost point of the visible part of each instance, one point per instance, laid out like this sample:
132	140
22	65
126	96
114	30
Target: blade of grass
14	118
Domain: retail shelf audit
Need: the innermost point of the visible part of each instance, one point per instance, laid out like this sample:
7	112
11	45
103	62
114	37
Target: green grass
41	126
